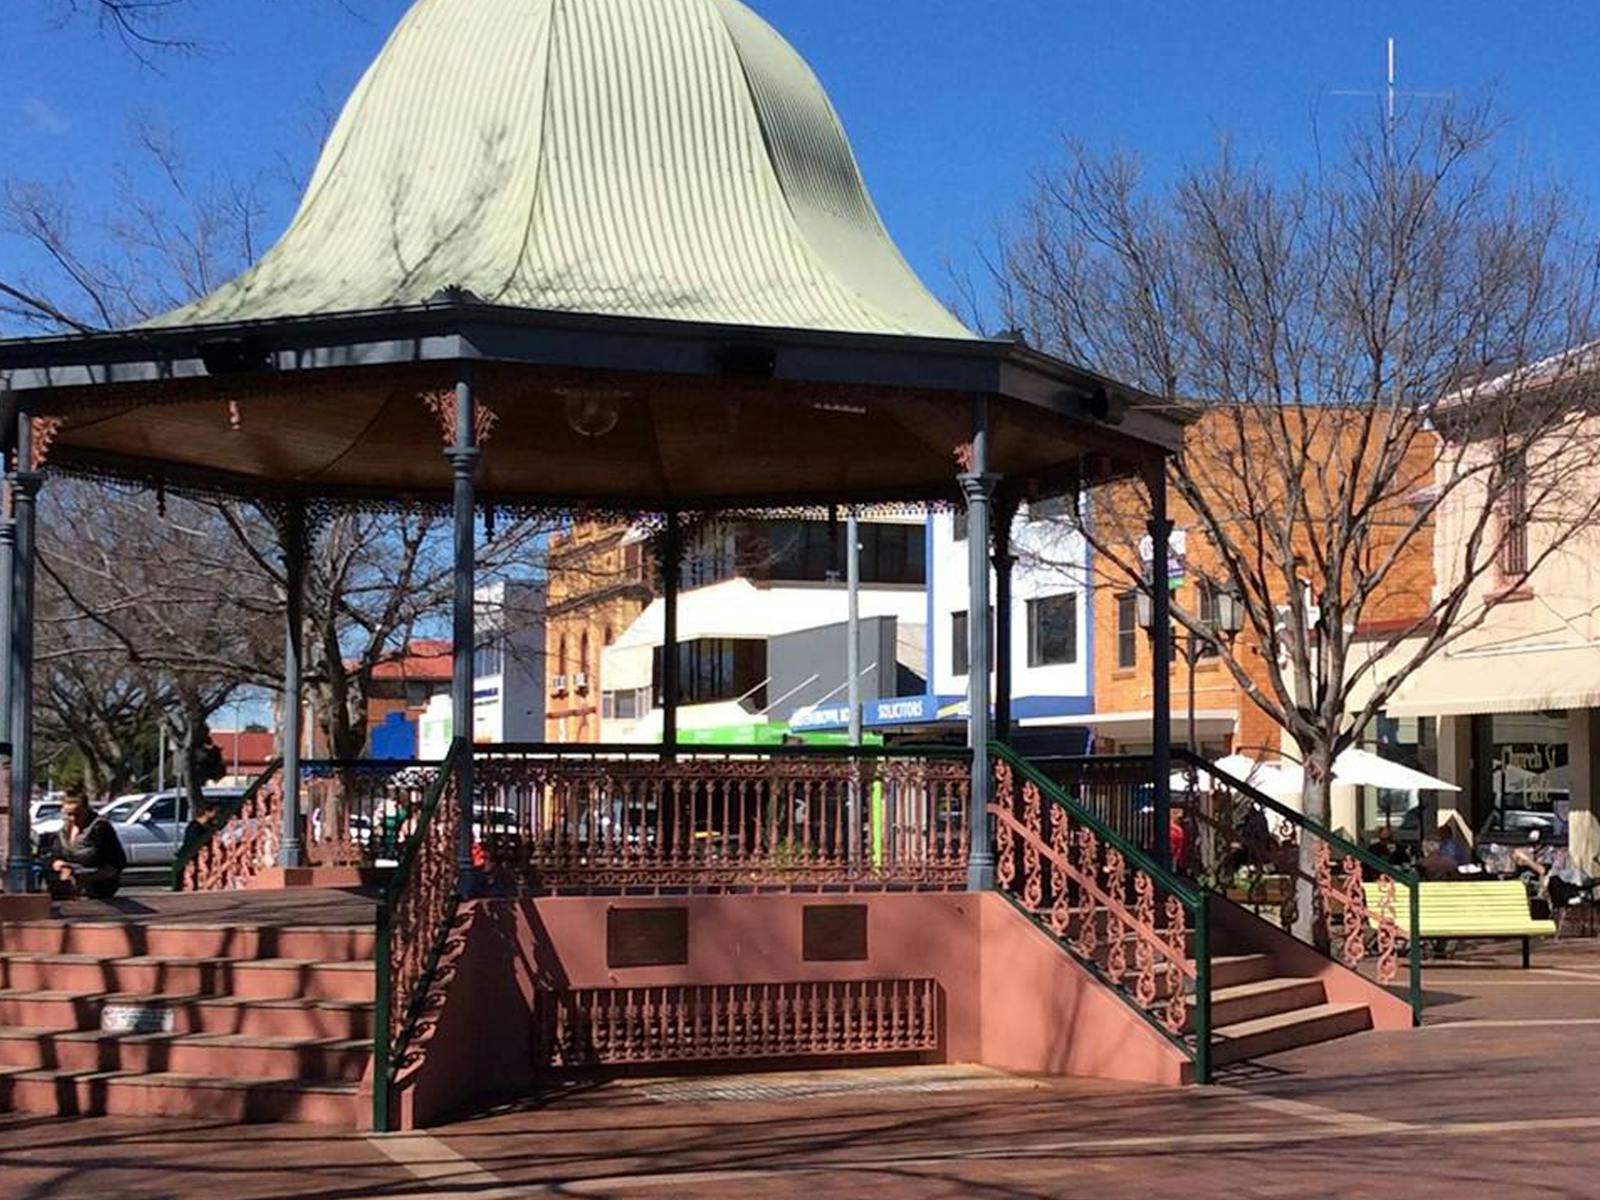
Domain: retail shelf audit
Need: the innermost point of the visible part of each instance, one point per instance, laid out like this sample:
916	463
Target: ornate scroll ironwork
425	892
359	813
554	821
1266	856
243	846
1081	887
732	1022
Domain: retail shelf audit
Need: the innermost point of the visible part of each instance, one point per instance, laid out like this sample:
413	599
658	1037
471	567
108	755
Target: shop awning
1530	679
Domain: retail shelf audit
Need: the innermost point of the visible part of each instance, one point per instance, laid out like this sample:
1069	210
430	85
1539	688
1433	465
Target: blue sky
951	104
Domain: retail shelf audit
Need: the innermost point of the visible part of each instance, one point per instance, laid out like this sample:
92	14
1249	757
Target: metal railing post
1414	945
1202	991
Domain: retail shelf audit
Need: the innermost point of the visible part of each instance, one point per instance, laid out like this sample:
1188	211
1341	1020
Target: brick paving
1493	1094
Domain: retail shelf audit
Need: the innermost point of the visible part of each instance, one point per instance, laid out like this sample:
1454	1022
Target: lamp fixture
592	412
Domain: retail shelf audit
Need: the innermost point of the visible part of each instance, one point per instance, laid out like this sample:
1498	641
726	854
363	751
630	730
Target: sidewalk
1492	1092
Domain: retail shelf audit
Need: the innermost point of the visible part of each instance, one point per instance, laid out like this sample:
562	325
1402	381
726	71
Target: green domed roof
646	158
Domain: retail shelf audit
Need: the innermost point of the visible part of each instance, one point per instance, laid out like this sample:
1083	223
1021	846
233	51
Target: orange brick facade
600	581
1119	688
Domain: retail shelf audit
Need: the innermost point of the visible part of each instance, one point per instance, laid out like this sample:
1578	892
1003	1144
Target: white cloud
41	118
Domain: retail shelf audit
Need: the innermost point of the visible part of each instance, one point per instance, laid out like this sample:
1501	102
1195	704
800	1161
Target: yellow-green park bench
1471	908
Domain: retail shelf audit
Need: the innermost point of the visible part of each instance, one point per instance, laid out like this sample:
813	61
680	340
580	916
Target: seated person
1391	851
88	859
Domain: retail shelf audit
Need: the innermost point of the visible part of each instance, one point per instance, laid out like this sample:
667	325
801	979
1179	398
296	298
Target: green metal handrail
187	854
385	1055
1188	895
1402	876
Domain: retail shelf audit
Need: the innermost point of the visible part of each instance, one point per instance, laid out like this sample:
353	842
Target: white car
123	806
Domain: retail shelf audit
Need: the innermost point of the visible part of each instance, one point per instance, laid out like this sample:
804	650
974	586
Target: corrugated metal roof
649	158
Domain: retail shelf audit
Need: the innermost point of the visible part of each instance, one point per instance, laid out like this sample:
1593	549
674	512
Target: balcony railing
559	818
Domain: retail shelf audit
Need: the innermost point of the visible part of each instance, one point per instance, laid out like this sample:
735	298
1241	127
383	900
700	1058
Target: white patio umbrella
1276	780
1362	768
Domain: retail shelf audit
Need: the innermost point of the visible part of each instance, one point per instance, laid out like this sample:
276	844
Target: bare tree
1329	326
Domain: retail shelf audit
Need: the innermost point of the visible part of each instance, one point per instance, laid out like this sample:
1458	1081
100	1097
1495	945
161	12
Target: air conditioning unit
558	685
580	682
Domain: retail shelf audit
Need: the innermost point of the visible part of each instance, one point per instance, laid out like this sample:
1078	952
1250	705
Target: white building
748	583
508	673
1051	621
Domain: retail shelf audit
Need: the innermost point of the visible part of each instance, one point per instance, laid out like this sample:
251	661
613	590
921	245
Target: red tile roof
256	748
424	659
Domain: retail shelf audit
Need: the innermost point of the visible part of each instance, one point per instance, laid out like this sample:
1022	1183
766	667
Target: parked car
116	810
152	831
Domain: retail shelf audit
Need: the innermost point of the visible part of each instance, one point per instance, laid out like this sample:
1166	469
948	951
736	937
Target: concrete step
1284	1031
121	1094
118	939
265	977
219	1055
1261	998
292	1017
1231	970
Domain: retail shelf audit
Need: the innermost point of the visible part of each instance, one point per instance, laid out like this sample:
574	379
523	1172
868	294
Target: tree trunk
1316	804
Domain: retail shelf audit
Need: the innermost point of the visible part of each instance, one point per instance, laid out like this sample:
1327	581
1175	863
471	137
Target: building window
1127	630
608	706
1514	517
1206	594
714	669
958	524
489	659
961	643
1053	630
1052	509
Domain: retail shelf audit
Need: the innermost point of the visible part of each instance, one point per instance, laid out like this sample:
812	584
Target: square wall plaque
834	933
647	937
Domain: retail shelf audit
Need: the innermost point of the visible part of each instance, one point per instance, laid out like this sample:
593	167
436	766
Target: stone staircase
1258	1010
254	1022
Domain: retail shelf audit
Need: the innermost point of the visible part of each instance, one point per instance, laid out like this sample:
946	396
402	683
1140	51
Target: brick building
1226	719
601	577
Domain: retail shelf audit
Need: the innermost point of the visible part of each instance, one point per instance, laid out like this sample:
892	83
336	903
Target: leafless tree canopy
1331	329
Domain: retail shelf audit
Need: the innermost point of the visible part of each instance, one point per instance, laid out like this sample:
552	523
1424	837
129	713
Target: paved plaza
1495	1091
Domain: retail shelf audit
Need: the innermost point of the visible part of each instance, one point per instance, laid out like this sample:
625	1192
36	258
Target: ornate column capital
978	485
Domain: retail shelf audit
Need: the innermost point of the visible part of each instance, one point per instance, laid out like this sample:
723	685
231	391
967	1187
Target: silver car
152	830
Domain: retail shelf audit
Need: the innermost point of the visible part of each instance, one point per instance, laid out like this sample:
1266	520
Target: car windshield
121	810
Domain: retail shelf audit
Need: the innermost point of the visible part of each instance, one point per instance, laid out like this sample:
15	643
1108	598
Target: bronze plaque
834	933
647	937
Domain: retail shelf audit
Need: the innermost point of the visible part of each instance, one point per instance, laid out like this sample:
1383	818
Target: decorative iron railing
731	1022
552	818
416	914
230	842
358	812
1274	860
1140	928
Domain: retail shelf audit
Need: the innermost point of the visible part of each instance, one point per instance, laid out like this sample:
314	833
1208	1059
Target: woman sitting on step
88	859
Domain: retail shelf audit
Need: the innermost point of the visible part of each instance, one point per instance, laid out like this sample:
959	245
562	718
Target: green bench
1471	908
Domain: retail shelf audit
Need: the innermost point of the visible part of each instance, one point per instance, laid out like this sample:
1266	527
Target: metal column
16	849
1005	513
852	558
291	851
979	486
671	563
1161	659
24	490
463	458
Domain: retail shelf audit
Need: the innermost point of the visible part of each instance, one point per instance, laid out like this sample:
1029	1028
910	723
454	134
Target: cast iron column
24	490
463	458
1005	513
1161	660
16	849
979	486
291	851
852	658
671	562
